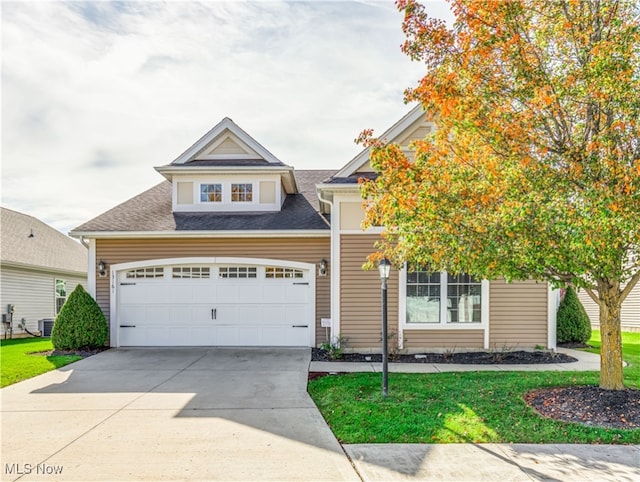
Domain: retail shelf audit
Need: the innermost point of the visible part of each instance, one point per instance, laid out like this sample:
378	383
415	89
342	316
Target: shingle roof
232	163
47	248
353	179
152	211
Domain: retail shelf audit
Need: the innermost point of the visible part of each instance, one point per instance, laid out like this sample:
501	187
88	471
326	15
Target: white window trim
226	205
55	294
442	325
199	199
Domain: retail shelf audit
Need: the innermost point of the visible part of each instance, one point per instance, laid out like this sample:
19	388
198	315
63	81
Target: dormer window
242	193
211	193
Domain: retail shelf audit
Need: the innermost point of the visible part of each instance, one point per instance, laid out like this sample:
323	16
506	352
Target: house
236	248
629	314
39	267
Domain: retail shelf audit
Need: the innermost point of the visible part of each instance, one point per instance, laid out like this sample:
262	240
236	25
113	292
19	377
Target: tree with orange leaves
534	169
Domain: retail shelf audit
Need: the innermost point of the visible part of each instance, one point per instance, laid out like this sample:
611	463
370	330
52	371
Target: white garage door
214	305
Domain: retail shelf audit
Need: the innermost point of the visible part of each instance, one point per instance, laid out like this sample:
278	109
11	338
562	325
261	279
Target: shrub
80	323
573	324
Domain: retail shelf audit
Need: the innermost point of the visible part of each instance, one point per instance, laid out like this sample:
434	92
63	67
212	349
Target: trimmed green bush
573	324
80	323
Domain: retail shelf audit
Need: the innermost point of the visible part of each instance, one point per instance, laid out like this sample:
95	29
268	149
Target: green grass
477	407
20	361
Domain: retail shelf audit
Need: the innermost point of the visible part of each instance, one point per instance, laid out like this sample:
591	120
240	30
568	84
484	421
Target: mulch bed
83	352
588	405
473	358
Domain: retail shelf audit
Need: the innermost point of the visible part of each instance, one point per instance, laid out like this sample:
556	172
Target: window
61	294
145	273
211	193
191	272
273	273
443	298
238	272
241	193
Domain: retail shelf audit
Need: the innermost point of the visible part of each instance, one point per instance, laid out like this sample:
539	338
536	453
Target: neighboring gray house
629	315
39	267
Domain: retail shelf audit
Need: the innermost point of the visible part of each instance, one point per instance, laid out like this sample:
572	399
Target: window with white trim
61	294
211	193
191	272
443	298
274	272
145	273
241	193
238	272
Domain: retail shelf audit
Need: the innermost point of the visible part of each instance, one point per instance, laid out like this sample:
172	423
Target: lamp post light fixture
384	267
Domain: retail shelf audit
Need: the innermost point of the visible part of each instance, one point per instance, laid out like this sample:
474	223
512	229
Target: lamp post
384	267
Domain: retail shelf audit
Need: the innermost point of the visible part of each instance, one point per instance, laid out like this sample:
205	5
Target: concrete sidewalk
495	462
586	362
488	462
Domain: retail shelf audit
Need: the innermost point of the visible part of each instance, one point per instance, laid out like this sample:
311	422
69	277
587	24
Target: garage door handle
306	284
127	326
214	314
299	326
127	284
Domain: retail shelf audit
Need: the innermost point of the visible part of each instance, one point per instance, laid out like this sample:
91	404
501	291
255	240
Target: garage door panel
295	314
273	313
129	294
274	292
228	293
203	335
156	314
201	314
185	311
248	314
297	293
272	336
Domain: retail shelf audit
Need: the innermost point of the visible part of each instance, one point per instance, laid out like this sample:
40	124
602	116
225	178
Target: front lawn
477	407
20	360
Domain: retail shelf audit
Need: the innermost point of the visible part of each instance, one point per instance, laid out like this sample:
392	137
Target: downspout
334	272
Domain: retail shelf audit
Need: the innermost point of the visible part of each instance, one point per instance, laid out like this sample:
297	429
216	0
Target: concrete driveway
170	414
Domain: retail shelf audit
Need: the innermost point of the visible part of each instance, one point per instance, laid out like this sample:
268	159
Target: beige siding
185	193
432	339
33	294
360	300
629	315
228	146
267	192
518	314
417	132
351	215
309	250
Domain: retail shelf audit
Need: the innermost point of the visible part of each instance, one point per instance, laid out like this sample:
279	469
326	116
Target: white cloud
95	94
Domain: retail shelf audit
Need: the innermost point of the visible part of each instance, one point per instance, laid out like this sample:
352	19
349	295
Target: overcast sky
96	94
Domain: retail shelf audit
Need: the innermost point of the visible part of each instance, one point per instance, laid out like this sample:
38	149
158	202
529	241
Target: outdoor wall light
323	267
102	268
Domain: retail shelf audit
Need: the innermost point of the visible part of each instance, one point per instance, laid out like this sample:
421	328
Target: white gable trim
215	132
394	131
248	154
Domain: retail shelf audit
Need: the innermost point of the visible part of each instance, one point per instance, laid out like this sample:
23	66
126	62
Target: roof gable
28	242
410	127
226	141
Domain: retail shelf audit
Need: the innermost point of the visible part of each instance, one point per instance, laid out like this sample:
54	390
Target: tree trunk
611	377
